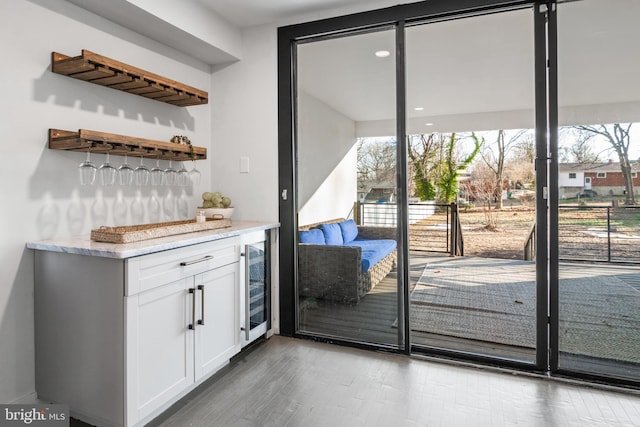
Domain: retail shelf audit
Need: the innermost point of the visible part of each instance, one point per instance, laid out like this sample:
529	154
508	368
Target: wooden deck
373	321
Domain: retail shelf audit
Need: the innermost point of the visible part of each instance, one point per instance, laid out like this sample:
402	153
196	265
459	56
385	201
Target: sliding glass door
597	298
460	178
347	210
470	103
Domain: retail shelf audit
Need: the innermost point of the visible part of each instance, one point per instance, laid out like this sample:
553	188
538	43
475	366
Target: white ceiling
485	65
247	13
473	65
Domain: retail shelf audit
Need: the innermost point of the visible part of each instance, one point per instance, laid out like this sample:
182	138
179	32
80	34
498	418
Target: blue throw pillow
314	236
332	234
349	230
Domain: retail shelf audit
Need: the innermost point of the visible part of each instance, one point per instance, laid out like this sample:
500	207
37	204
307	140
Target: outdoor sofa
340	262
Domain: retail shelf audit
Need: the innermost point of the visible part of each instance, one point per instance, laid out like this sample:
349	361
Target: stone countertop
85	246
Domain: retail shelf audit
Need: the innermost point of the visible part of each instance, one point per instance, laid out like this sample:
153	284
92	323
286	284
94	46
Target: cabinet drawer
149	271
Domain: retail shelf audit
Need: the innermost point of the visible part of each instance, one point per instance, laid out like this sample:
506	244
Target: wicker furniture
334	273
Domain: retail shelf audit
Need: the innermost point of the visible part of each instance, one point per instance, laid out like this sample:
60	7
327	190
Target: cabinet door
159	347
217	324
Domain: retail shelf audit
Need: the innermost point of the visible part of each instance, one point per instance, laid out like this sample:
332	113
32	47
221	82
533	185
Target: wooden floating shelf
103	71
100	142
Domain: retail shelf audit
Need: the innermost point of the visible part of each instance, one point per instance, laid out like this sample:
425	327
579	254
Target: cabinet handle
195	261
247	296
201	321
192	325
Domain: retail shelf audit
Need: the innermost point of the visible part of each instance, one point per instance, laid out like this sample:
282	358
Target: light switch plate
244	165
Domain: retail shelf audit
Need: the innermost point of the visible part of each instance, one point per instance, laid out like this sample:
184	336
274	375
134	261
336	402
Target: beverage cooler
256	296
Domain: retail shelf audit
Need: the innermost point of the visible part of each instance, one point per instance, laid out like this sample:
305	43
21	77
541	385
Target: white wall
41	195
327	156
198	20
335	196
245	124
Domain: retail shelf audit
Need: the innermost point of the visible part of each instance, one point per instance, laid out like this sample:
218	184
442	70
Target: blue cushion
374	251
314	236
332	234
349	230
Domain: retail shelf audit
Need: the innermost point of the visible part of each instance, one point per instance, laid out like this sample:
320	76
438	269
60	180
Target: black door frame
398	16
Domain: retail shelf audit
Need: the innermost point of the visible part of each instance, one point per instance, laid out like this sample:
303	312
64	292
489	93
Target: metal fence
599	233
432	227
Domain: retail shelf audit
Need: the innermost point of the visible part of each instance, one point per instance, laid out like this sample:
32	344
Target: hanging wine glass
170	175
107	173
156	174
183	176
155	207
141	173
125	173
195	175
87	171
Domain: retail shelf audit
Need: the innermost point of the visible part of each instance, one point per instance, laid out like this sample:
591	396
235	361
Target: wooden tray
136	233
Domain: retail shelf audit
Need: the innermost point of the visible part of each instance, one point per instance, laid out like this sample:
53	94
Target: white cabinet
120	340
216	340
181	332
160	358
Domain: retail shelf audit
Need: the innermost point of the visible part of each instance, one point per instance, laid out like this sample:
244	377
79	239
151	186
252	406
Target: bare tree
423	149
495	156
376	162
525	148
519	169
581	150
617	135
481	189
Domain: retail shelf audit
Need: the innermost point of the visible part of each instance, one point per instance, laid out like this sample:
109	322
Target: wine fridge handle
247	296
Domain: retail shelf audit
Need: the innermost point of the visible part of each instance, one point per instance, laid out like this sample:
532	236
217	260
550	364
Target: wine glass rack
103	71
101	142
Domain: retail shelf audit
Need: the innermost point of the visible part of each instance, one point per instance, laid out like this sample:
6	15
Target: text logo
34	415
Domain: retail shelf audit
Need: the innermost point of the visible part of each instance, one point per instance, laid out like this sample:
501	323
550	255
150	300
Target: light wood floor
295	382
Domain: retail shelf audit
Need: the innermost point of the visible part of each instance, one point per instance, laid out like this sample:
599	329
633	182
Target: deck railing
599	233
595	233
432	227
530	244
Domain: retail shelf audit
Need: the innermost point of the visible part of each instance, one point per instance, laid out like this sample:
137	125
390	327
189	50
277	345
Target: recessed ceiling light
428	124
418	108
383	53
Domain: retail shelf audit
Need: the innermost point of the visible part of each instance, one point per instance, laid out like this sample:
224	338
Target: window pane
470	103
347	211
599	109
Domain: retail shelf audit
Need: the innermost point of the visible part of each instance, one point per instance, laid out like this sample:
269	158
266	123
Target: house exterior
379	193
603	178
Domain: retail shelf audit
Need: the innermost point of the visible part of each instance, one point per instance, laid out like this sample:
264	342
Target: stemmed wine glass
141	173
125	173
194	174
183	176
156	174
107	173
87	171
170	175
